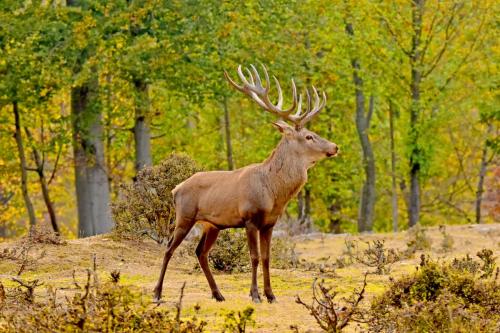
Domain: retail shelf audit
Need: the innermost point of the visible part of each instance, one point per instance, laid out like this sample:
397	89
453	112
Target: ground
139	264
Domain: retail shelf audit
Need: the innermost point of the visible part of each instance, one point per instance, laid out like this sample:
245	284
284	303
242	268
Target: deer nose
333	152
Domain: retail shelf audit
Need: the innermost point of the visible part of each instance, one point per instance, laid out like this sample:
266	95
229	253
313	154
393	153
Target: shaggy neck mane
285	171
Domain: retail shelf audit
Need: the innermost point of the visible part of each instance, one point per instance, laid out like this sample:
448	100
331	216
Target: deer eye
309	137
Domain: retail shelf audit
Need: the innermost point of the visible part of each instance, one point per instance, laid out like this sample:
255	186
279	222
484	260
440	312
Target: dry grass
139	265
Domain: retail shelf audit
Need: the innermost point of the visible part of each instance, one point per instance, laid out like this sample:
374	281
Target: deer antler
253	87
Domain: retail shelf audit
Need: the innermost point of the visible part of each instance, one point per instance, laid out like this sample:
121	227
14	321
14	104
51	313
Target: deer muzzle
333	151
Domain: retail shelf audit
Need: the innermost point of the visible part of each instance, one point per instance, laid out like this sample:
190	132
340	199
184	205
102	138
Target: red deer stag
254	196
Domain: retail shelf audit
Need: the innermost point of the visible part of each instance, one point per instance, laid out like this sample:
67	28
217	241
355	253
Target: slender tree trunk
301	207
43	183
335	222
142	132
4	201
393	169
482	174
91	179
367	204
304	208
22	160
416	78
227	128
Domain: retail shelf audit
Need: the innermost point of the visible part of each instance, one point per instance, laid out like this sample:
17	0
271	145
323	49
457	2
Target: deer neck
286	171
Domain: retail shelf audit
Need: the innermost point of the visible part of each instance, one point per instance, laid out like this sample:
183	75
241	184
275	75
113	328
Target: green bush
237	322
439	297
146	207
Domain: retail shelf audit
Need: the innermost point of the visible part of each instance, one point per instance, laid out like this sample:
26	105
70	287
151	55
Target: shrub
283	253
332	315
237	322
447	242
417	240
146	207
376	255
439	297
230	253
109	307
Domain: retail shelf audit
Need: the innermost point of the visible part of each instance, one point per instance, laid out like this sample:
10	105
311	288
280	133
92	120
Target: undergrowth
146	208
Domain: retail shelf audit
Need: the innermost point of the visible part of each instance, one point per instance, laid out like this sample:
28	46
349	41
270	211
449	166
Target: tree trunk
43	183
367	204
393	169
304	208
416	78
91	179
142	132
335	222
22	160
482	174
227	128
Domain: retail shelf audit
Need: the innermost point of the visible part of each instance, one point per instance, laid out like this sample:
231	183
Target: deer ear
283	127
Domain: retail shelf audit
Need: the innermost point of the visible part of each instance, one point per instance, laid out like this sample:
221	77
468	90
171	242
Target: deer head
300	141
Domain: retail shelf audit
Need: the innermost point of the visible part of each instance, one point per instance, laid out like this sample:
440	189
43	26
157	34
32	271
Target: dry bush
447	242
332	315
377	256
324	267
418	240
230	253
95	307
283	253
486	265
146	207
439	297
43	235
348	254
21	254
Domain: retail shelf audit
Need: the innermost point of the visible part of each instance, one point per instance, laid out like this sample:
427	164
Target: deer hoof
256	297
218	296
271	298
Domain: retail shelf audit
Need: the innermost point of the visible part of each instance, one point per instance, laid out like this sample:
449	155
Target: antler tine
316	98
234	84
280	93
318	106
308	102
294	100
250	75
243	77
298	114
252	85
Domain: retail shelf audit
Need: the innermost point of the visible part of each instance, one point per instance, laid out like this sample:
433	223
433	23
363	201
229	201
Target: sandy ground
139	265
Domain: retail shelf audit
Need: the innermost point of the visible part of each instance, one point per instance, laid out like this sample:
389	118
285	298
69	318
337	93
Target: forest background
92	91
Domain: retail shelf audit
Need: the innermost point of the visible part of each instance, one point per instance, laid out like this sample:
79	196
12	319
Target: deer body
252	197
227	199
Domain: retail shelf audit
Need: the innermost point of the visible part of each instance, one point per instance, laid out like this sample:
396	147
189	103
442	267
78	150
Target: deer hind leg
182	228
252	234
265	245
208	239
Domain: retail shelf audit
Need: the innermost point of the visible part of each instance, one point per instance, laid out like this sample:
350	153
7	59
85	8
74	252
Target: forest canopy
92	91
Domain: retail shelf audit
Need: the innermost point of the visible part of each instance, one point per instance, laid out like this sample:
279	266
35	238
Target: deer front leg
180	232
252	233
265	249
207	241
